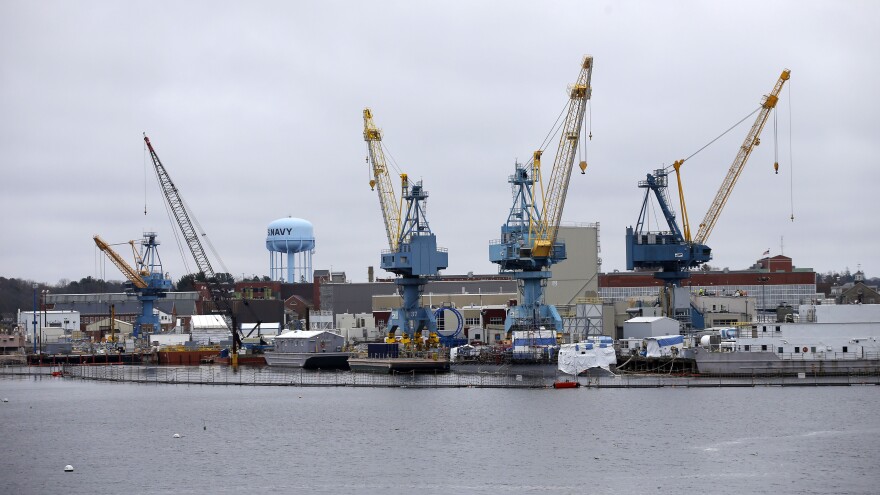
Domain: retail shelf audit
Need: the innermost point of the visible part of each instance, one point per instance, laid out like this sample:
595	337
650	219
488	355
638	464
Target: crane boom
752	140
130	273
557	188
382	179
175	202
219	294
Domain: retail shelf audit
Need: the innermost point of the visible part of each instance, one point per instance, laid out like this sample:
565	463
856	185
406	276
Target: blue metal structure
666	251
148	282
150	268
415	260
513	253
413	254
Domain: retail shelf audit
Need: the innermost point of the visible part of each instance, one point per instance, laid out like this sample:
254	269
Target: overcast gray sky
255	110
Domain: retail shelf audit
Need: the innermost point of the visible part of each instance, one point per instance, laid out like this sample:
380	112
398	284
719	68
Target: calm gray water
119	438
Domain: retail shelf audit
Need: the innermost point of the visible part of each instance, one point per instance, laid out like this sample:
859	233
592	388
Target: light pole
763	281
44	317
35	318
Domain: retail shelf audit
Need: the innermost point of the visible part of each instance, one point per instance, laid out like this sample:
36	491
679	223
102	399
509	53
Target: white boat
310	349
826	340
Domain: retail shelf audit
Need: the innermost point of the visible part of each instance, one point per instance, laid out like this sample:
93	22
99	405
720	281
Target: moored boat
828	340
309	349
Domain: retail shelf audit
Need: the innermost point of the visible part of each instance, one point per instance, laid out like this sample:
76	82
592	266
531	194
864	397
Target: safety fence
268	376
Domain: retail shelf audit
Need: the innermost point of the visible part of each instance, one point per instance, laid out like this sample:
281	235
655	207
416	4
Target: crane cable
584	150
790	157
669	167
145	179
393	161
553	130
775	143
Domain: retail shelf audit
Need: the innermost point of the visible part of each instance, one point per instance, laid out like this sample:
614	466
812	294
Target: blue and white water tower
291	243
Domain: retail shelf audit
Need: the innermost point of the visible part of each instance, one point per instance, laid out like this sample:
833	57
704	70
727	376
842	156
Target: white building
642	327
209	329
50	326
360	327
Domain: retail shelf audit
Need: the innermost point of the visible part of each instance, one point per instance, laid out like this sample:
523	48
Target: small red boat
566	384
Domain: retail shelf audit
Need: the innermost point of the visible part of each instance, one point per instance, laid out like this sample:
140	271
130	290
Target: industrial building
577	276
172	307
770	282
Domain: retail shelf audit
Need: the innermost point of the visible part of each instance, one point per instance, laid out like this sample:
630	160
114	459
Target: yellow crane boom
382	179
752	140
557	188
126	269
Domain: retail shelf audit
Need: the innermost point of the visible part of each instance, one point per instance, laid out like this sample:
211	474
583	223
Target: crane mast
219	293
175	202
382	179
752	140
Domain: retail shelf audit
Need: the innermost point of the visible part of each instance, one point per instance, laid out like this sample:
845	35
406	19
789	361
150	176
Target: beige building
123	329
578	276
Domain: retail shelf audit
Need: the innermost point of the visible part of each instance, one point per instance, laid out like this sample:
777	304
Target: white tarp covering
575	358
663	345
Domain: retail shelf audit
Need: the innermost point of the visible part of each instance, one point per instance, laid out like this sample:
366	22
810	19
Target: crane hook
776	167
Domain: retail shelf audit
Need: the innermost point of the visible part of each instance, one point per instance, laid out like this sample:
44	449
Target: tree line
18	294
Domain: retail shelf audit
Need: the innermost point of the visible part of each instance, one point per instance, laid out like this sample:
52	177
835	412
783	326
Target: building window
764	347
813	350
779	350
495	320
497	336
476	336
845	349
778	329
747	348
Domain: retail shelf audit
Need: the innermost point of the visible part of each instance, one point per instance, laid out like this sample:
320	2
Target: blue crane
669	251
413	254
528	246
148	282
672	253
